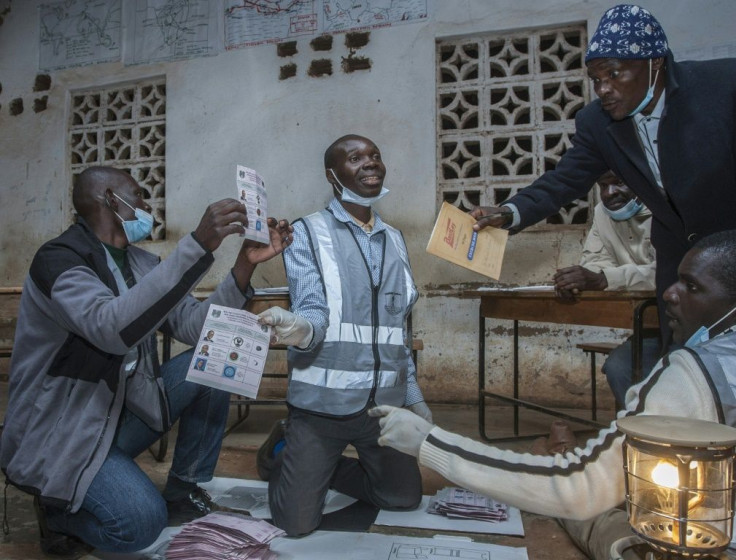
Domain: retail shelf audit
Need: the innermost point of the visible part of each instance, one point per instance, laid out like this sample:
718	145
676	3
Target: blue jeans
123	511
619	366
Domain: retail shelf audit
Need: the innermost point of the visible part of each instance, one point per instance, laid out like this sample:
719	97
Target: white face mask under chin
346	195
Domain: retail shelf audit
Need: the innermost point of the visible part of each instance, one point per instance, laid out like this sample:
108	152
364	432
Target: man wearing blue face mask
584	485
351	290
87	394
617	255
666	128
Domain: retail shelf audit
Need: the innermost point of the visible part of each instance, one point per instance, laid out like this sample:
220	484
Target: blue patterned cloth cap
627	31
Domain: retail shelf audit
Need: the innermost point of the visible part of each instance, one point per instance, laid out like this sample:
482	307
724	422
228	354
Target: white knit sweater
579	484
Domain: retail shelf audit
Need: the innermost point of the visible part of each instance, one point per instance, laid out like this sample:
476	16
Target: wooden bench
9	304
594	348
645	326
258	304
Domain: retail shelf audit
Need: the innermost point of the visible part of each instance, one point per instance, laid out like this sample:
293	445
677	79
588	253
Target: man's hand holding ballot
494	216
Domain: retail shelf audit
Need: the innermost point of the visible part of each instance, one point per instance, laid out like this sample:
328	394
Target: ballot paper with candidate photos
231	351
252	193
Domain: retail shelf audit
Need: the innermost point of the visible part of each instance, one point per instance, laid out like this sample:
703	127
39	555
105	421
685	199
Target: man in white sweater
694	381
617	255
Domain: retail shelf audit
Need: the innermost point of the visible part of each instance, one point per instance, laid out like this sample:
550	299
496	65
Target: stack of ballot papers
224	536
461	503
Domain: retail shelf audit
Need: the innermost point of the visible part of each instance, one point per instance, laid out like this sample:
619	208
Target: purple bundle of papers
461	503
228	536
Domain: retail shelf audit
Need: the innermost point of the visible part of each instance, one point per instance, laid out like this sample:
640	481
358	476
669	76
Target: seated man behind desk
584	484
617	255
86	393
351	290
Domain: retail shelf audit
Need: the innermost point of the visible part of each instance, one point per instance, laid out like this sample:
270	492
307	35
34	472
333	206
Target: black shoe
265	460
197	504
57	544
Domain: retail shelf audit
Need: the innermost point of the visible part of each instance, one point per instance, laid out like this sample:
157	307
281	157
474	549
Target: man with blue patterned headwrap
666	128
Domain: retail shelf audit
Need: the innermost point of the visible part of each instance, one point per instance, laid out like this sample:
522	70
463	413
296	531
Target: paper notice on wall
252	192
454	240
231	351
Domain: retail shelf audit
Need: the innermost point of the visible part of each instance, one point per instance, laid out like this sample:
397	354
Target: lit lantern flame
665	474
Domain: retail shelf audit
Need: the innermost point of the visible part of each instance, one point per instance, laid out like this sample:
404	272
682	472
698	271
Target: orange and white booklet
454	240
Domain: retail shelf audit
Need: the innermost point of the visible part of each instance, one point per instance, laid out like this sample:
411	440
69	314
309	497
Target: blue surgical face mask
703	333
627	211
346	195
650	92
138	229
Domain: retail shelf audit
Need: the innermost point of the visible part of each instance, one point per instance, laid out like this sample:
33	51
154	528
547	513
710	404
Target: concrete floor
544	540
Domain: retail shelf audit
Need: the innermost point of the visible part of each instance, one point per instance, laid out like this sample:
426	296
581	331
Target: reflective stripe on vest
719	358
338	377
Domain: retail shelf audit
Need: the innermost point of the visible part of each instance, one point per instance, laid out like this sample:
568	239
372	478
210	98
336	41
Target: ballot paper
420	519
231	351
534	288
228	536
454	240
460	503
252	193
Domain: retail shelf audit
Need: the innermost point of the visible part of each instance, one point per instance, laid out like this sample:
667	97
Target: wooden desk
624	310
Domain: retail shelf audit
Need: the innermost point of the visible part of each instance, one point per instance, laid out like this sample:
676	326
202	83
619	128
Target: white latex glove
421	409
288	328
401	429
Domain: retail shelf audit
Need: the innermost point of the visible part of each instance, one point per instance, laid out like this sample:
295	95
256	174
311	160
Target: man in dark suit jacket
666	128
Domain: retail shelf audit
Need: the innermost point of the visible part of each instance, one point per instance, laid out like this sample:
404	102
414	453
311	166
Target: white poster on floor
328	545
252	496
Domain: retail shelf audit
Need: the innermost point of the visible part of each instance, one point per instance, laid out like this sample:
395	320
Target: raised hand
219	220
280	237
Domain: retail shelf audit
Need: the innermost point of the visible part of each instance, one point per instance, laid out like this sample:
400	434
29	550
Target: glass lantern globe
679	483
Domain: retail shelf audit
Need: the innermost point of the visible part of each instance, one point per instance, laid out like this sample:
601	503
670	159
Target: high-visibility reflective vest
718	357
364	357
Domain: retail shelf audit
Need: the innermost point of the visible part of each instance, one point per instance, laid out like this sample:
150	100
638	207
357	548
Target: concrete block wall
233	108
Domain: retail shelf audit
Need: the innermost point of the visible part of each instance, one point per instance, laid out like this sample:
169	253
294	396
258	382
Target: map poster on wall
78	32
167	30
350	15
231	351
255	22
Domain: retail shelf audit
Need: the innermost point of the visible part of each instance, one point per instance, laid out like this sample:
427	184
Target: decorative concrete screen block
506	111
124	127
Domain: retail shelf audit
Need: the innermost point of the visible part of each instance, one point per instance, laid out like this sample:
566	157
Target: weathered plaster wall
232	108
